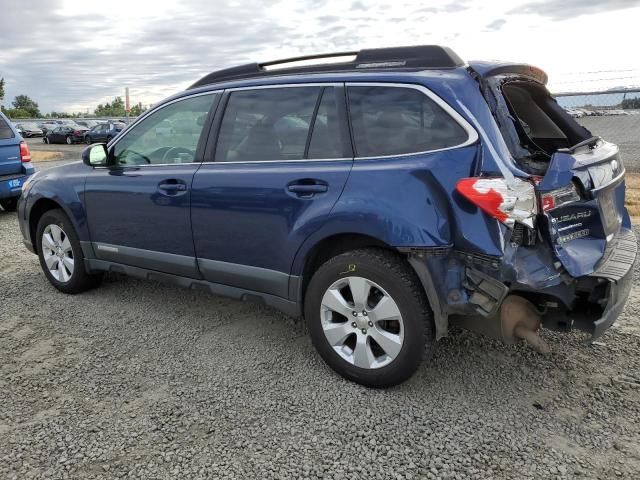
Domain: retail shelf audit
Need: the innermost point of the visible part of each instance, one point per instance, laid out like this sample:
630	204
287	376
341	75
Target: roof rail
419	56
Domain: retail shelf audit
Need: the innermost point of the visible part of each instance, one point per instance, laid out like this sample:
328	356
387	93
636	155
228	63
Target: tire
9	204
87	140
76	279
69	141
412	331
109	138
45	140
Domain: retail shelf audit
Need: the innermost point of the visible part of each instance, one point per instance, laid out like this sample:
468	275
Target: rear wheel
369	317
9	204
61	256
69	140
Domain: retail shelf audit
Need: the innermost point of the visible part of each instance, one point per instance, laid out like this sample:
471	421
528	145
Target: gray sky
70	55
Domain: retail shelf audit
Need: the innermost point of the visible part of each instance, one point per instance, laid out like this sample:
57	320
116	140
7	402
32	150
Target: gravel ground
138	379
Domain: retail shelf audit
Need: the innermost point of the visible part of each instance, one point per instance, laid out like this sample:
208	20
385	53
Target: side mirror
95	155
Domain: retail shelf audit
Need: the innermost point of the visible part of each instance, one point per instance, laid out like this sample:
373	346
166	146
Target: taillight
557	198
25	155
77	133
509	202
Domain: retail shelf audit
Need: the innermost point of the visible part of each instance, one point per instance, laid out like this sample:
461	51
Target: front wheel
61	256
369	317
87	140
109	138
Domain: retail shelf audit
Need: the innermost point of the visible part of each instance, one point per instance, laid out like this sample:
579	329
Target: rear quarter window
399	120
5	130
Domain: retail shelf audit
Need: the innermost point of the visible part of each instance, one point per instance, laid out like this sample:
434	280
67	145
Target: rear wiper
589	142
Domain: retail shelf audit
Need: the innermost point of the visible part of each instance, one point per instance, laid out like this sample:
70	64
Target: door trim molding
247	277
150	259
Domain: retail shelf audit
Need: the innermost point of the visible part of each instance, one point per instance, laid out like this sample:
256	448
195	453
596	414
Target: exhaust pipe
520	320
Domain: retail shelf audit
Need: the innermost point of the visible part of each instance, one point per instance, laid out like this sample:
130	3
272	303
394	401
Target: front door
138	208
281	161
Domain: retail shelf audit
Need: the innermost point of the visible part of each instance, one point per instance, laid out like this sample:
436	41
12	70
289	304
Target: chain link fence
613	115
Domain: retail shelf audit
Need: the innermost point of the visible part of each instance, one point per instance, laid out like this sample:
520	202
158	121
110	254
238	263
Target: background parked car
66	134
47	127
68	123
103	132
29	130
87	123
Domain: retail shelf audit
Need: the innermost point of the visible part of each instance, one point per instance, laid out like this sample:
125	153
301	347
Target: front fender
65	187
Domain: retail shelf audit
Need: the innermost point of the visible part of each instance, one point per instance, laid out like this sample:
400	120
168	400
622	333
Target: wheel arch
39	208
328	247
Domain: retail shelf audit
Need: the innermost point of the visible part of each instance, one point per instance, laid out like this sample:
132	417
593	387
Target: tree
24	103
113	109
137	110
1	90
14	113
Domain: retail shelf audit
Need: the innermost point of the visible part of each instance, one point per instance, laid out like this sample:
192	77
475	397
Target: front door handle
172	186
302	189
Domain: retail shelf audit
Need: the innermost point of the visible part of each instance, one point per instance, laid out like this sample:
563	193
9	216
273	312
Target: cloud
564	9
495	25
70	58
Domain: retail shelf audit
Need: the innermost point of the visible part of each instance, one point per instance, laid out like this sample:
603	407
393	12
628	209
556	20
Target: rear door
280	163
10	163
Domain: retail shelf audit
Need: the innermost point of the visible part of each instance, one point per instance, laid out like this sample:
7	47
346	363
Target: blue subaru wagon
384	197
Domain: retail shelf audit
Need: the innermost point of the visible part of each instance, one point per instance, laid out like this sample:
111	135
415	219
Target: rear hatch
580	177
582	204
10	163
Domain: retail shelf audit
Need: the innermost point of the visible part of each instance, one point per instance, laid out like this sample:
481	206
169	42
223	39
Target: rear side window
289	123
5	130
397	120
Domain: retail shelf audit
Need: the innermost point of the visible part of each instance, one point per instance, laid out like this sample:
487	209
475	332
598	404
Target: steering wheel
174	151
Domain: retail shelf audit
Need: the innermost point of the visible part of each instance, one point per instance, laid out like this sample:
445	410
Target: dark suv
383	197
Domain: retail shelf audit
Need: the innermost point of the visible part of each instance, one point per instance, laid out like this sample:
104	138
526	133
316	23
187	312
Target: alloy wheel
57	253
362	323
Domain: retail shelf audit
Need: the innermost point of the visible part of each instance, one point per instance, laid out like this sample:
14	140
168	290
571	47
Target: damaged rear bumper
618	294
617	268
469	291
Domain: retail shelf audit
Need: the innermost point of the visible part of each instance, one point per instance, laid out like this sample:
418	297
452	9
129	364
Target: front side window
275	124
168	135
399	120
